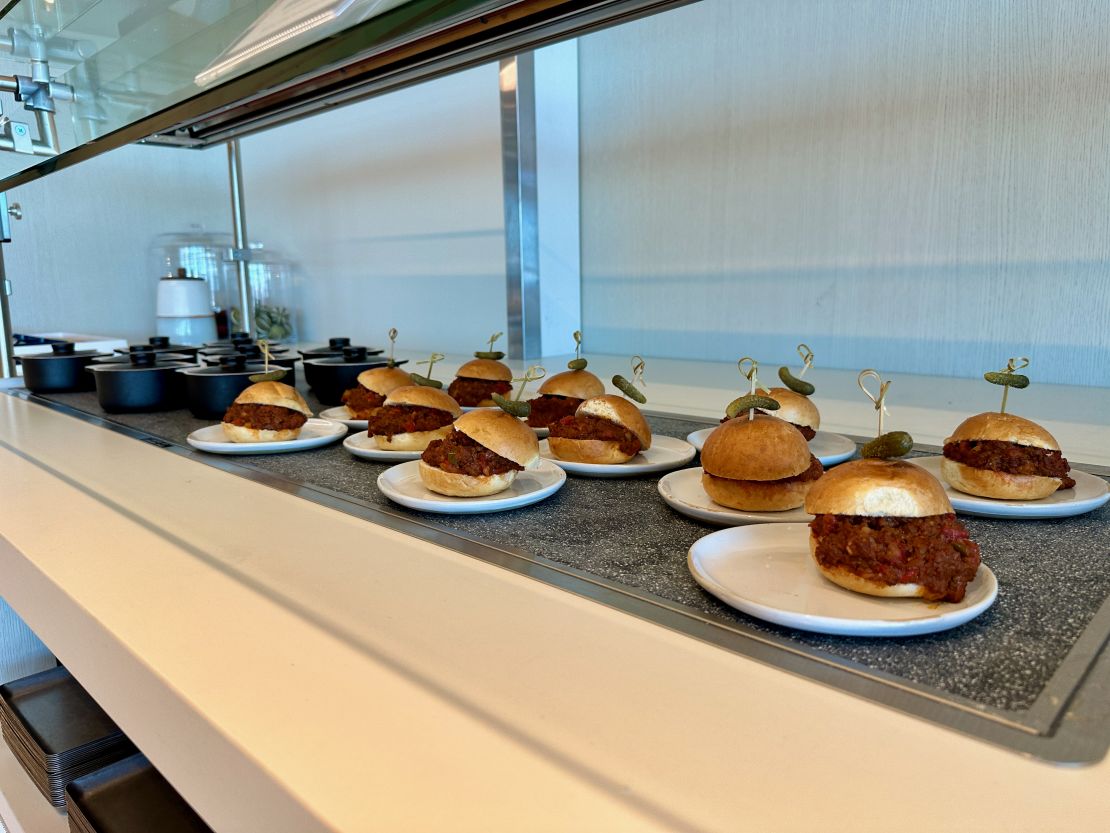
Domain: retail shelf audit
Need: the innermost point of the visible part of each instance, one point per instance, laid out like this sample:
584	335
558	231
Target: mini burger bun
267	393
878	488
577	384
502	434
756	495
384	380
764	448
487	370
795	408
999	484
424	397
1005	428
615	409
464	485
850	581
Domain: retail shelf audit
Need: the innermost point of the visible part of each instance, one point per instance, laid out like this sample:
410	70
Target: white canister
182	297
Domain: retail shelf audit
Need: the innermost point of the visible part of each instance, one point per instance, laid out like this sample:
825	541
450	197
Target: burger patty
549	408
587	427
805	430
406	419
265	417
814	471
362	401
935	552
472	392
458	454
1010	458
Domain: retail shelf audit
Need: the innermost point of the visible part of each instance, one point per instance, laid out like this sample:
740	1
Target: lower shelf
22	807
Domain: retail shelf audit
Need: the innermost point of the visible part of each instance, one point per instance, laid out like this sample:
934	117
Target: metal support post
518	153
7	349
242	253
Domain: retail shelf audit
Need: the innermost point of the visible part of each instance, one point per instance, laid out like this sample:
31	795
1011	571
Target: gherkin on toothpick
577	363
752	400
392	344
516	407
1008	378
797	383
491	353
427	381
267	375
628	388
894	444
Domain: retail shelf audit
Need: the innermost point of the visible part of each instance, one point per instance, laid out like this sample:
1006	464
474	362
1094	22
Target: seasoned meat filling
587	427
806	431
1011	458
458	454
361	401
935	552
406	419
472	392
549	408
265	417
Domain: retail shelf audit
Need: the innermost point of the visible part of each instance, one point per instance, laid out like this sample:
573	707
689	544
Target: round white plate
315	433
666	453
767	572
827	447
402	484
1090	493
683	492
341	414
365	446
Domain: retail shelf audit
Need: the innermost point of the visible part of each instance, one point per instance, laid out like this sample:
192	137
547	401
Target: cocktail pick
797	383
516	407
392	344
628	388
428	381
1008	378
267	375
749	369
894	444
491	353
577	363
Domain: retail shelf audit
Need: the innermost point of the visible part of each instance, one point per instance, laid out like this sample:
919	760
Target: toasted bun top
795	408
1005	427
488	369
619	410
764	448
273	393
384	379
878	488
581	384
425	397
502	434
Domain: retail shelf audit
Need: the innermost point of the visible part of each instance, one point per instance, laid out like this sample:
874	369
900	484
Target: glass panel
90	67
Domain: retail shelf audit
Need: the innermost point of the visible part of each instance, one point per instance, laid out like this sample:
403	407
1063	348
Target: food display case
572	662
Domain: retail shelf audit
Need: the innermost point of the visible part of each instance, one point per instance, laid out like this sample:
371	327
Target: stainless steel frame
242	253
1069	723
522	245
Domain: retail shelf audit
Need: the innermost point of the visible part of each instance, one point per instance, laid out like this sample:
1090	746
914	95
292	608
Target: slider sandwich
266	412
481	455
412	417
561	394
374	385
604	429
478	380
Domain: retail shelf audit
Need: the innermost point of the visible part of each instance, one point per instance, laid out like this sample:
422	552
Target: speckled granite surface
1053	575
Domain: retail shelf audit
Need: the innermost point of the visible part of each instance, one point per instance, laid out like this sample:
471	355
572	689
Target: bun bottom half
242	434
413	440
756	495
602	452
850	581
464	485
997	484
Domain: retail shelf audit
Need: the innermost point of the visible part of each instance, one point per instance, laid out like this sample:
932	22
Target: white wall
392	209
916	186
78	260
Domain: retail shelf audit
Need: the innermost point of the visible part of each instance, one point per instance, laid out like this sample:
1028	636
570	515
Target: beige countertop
289	667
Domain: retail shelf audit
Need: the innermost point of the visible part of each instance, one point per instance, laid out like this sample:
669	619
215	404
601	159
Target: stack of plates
57	732
129	797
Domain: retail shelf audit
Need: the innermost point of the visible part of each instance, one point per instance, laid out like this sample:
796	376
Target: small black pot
329	377
253	354
209	391
334	348
125	358
231	340
59	371
145	383
161	344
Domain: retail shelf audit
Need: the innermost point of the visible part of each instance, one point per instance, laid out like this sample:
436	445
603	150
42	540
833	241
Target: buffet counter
289	666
